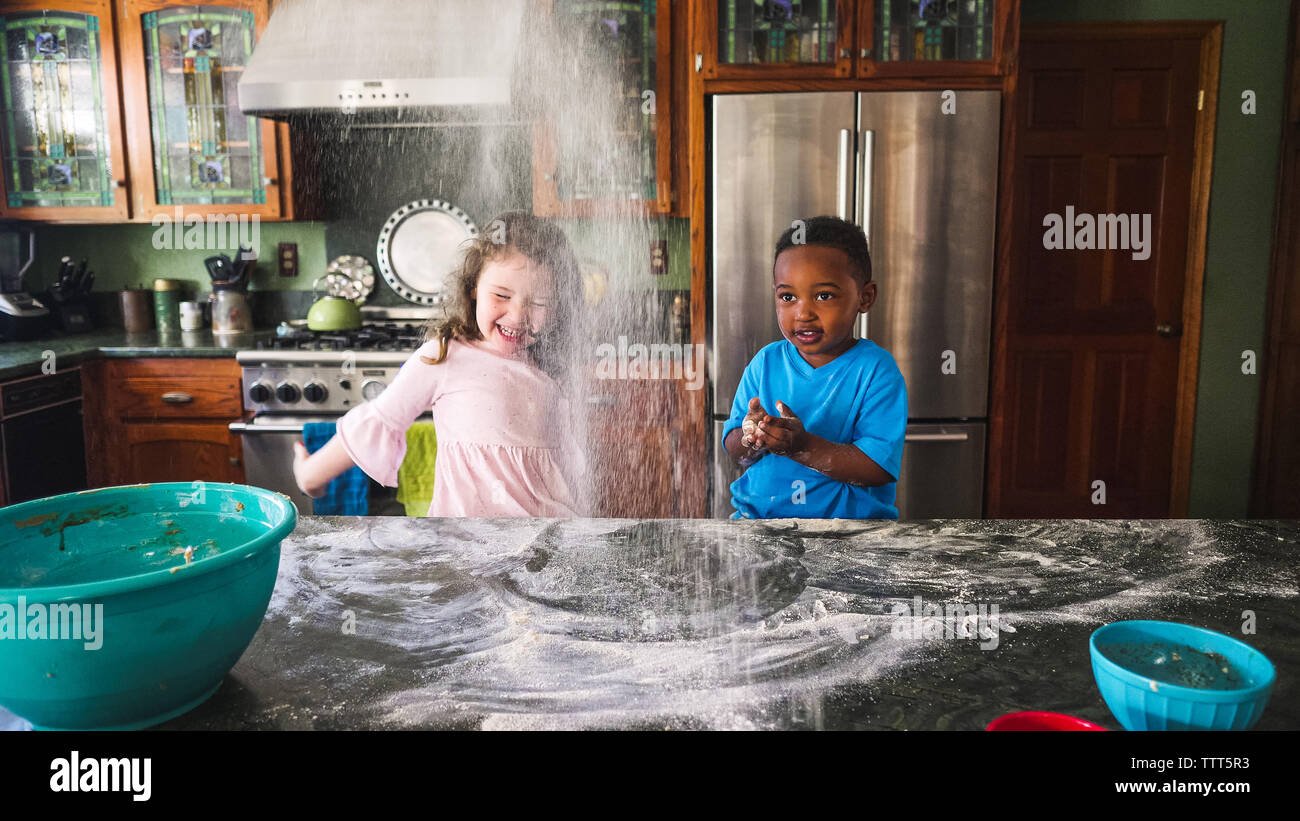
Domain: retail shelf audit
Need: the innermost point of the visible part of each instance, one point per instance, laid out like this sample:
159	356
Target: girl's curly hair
545	245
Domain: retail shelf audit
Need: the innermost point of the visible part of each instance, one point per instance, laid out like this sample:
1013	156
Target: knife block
71	315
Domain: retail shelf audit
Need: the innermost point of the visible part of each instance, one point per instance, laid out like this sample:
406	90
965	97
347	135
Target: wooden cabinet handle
177	398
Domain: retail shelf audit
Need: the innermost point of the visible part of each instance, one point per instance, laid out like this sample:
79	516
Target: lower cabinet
161	420
635	450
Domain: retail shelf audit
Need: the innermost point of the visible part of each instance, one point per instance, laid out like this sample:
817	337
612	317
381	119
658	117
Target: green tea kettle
334	311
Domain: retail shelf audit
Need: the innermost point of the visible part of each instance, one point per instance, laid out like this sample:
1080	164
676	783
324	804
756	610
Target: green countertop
19	359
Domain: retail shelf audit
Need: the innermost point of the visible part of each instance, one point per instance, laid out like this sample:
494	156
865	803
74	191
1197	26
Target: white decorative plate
419	245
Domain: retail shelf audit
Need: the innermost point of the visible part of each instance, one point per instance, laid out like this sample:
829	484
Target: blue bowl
110	624
1141	702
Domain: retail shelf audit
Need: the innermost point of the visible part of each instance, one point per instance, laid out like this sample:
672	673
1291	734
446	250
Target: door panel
942	475
164	452
776	158
933	202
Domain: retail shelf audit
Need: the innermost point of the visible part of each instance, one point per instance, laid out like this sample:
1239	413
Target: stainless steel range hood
383	56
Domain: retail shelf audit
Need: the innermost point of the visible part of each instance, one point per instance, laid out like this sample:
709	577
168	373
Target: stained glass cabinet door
61	140
917	38
776	39
634	38
190	146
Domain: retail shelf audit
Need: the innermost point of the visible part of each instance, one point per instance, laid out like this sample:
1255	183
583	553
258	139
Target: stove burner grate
387	336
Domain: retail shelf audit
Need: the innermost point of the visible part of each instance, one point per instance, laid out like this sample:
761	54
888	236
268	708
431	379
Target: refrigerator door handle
935	437
844	184
866	167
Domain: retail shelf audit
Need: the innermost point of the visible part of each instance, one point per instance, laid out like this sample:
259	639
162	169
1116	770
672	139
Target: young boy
819	418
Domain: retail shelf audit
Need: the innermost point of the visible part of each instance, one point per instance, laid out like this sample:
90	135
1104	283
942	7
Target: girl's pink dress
504	444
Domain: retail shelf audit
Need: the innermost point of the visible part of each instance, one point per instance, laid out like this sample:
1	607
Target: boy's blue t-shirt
859	397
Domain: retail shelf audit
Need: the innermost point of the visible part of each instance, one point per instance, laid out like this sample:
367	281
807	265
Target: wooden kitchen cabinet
638	468
190	146
742	39
162	420
819	39
61	137
124	110
896	38
649	43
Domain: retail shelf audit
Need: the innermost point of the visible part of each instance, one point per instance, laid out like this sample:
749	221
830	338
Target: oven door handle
244	427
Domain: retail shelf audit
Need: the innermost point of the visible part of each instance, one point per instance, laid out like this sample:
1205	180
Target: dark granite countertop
593	623
19	359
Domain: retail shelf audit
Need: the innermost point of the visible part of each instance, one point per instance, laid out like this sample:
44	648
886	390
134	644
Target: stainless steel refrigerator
918	171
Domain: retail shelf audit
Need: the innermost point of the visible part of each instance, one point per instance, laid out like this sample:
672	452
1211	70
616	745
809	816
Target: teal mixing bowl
1162	675
107	623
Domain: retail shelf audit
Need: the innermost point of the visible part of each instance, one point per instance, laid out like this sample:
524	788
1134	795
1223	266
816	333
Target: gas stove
301	377
323	372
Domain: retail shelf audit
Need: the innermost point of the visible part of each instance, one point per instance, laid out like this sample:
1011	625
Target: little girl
491	371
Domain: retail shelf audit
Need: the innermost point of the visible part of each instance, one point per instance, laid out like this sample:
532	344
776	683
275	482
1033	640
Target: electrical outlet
286	256
659	257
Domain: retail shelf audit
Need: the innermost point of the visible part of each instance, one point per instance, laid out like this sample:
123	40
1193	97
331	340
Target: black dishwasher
41	433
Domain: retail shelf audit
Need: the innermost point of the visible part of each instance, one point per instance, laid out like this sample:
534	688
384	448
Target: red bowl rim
1036	715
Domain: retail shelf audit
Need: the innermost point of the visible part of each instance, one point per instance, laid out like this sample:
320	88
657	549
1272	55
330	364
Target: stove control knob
260	393
371	388
286	392
314	392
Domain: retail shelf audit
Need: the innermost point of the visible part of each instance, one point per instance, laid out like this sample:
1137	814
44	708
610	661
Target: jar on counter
167	304
191	316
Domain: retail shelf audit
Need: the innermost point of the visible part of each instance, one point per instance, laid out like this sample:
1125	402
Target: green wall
1240	226
125	255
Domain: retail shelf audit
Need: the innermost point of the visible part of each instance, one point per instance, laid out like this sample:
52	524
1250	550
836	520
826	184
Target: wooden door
1096	355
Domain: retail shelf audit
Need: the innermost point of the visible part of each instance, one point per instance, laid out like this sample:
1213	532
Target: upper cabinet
189	144
126	110
60	126
789	39
933	37
639	171
745	39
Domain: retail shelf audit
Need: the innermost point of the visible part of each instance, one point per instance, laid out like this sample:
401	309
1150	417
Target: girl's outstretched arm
313	471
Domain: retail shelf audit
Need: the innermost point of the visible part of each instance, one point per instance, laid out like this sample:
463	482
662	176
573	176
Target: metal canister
136	314
167	304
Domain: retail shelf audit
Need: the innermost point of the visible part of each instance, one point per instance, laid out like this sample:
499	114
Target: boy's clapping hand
764	432
749	427
782	434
